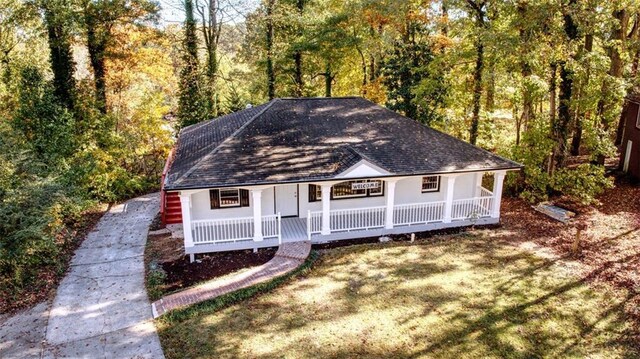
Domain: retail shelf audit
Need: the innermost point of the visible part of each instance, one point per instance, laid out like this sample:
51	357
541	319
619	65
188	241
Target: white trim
448	202
429	190
185	203
627	154
238	204
391	194
326	208
257	214
363	168
498	179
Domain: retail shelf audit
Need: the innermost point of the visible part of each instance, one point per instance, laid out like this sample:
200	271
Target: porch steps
288	257
172	208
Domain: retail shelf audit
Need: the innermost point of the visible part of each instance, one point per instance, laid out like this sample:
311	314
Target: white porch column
498	179
256	195
185	204
478	184
326	207
391	194
448	201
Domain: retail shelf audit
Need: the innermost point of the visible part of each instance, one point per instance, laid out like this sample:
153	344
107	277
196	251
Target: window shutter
312	193
214	197
244	198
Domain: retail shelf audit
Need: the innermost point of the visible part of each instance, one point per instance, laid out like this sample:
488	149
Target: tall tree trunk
580	116
271	78
491	84
297	57
525	67
445	17
561	128
211	34
605	103
191	105
477	93
61	57
634	38
553	86
96	46
328	79
479	12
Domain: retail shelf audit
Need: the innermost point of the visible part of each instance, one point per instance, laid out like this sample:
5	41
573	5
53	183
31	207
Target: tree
478	11
191	105
211	28
271	77
100	18
58	17
561	124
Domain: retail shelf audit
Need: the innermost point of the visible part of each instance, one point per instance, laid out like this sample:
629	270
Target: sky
173	10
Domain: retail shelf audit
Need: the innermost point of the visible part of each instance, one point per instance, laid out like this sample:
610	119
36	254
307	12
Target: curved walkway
288	257
101	309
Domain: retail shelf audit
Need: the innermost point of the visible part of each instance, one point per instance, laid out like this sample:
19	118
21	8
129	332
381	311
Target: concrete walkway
101	309
288	257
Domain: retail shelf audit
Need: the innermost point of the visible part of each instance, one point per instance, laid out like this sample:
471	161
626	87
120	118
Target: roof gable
362	169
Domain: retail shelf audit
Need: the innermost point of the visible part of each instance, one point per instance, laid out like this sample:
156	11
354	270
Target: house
630	158
324	169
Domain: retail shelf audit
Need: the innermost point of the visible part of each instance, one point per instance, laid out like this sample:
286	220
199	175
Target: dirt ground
609	249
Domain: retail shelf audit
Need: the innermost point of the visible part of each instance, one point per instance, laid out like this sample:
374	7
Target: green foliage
42	119
414	87
582	183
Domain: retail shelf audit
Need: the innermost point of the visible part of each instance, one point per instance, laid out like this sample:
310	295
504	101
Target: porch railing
234	229
468	208
314	223
344	220
485	192
418	213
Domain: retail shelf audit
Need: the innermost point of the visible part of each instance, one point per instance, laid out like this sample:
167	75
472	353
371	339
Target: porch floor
294	229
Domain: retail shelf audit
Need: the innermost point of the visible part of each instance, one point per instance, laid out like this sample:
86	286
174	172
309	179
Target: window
315	193
638	118
361	188
431	184
229	197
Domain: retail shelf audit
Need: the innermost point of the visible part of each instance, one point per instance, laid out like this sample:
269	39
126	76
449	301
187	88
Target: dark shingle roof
288	140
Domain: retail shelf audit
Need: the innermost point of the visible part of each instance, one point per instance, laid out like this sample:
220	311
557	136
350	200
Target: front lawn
466	296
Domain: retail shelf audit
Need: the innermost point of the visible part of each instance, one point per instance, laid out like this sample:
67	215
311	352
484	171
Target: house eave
169	187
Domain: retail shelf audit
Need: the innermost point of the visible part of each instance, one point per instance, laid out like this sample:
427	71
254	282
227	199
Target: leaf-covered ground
609	250
467	296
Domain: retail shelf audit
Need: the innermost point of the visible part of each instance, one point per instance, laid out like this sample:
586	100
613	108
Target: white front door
287	200
627	157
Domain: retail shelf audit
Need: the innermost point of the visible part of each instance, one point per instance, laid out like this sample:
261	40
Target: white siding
201	206
408	190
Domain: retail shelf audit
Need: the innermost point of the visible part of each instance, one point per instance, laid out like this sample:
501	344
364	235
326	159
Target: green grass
461	298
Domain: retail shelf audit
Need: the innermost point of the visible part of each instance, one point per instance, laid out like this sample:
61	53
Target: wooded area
92	92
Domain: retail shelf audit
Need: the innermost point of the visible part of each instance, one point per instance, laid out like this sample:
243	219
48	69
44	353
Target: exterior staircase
170	207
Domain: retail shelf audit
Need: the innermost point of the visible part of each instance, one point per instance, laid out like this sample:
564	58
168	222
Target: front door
287	200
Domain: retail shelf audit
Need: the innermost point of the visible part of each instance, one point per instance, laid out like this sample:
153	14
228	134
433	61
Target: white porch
320	221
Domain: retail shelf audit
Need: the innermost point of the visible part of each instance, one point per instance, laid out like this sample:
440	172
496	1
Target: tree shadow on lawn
433	300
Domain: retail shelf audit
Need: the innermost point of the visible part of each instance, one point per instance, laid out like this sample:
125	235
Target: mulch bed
49	277
182	274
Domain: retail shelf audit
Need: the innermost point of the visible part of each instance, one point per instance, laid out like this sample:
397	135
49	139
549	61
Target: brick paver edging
288	258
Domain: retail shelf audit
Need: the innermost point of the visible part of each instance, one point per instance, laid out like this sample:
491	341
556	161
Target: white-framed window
229	197
430	184
638	118
359	188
